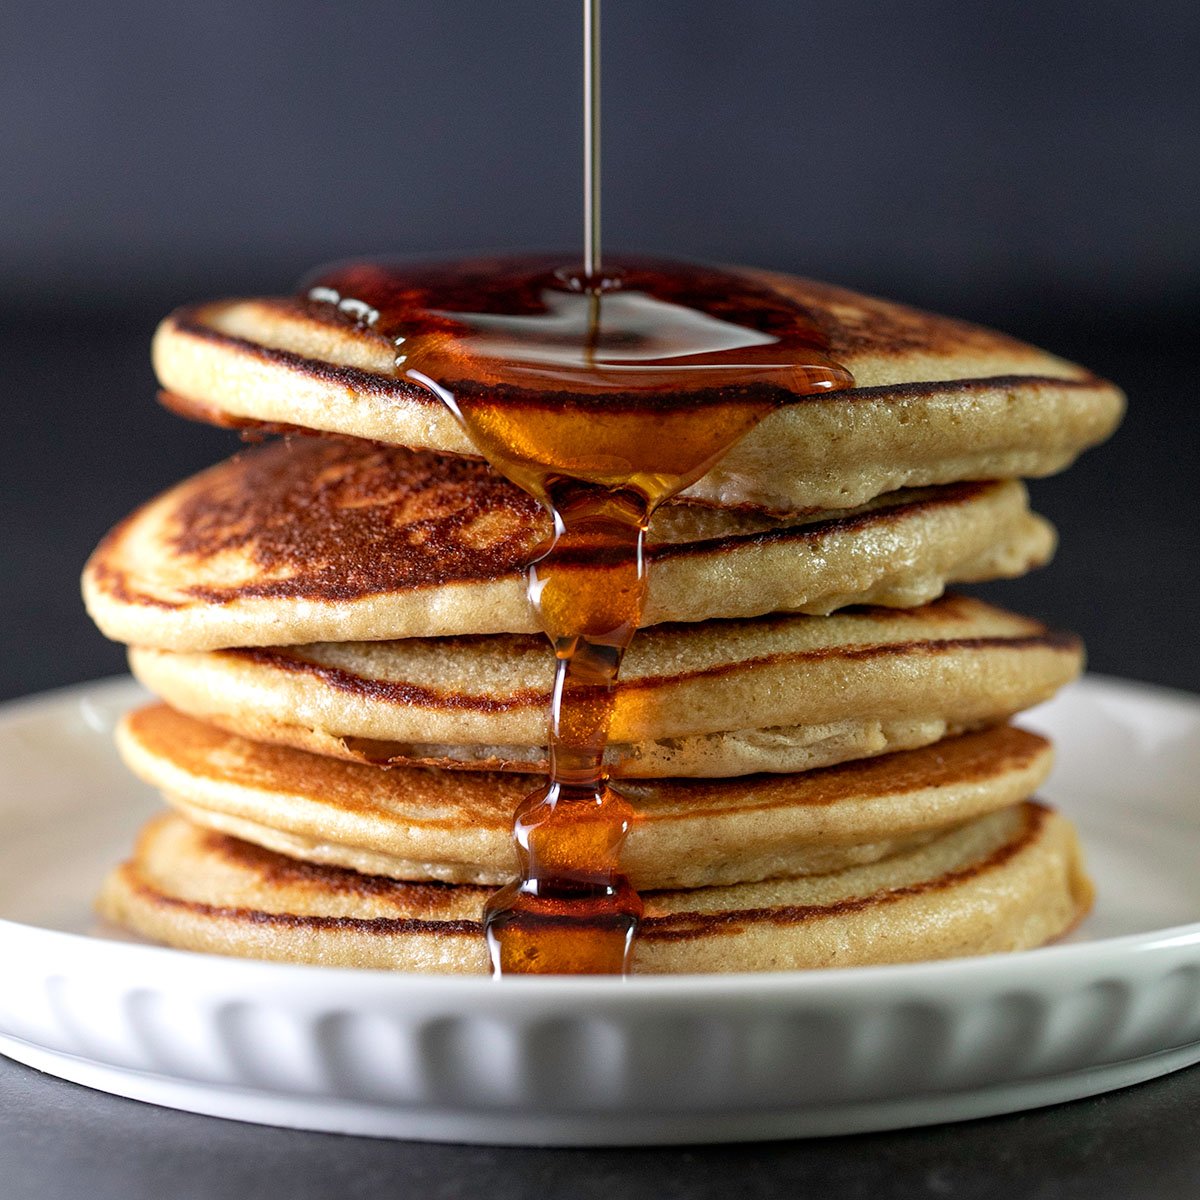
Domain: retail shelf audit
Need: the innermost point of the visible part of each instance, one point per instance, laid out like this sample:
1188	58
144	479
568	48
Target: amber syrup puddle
601	398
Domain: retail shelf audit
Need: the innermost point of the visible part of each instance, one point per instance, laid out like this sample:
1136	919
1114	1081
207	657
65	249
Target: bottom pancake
1010	880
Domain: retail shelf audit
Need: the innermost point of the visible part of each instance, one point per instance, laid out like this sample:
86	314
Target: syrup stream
602	395
591	139
602	402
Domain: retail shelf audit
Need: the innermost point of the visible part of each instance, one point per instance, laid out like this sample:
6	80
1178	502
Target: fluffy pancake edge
957	660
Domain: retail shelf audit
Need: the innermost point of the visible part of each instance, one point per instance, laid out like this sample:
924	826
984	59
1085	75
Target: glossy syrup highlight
602	398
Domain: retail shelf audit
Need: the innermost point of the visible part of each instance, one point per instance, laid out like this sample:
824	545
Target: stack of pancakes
813	734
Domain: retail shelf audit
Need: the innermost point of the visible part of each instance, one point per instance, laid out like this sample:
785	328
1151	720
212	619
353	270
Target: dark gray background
1031	166
976	155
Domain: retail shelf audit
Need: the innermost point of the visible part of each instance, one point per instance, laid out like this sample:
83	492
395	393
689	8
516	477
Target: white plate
594	1061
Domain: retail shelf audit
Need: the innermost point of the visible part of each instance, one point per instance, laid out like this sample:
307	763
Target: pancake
456	827
780	693
337	539
936	400
1007	881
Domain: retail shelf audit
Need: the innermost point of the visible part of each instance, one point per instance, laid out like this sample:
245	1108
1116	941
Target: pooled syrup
601	397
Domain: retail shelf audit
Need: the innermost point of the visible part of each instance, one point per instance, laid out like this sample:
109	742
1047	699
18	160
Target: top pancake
936	400
337	539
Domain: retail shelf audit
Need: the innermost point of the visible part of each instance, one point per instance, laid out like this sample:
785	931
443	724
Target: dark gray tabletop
85	442
61	1142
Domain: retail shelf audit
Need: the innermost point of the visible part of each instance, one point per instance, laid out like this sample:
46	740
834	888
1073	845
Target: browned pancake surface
332	518
339	540
335	518
420	824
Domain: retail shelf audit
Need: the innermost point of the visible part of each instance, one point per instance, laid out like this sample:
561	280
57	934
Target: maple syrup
602	398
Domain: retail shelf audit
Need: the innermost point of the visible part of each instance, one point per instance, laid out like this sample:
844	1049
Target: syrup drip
602	398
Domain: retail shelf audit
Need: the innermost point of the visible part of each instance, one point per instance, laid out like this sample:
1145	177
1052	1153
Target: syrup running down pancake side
601	398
